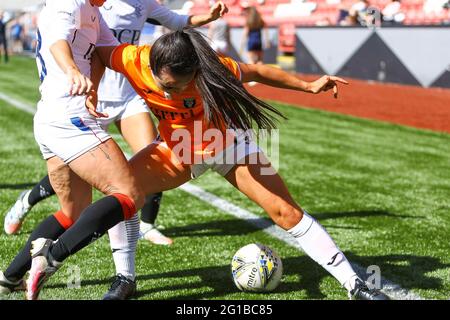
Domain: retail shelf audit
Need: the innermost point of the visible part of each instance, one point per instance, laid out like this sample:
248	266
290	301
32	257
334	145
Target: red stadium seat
287	38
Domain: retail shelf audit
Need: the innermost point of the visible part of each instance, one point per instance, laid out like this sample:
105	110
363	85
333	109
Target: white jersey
82	26
126	19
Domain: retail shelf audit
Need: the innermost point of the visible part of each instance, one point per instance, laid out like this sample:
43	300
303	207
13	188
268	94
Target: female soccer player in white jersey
129	112
193	90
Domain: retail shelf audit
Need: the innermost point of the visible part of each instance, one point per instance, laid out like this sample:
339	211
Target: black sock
41	191
150	210
94	221
50	228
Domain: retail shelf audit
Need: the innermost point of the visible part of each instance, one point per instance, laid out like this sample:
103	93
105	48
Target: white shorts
67	137
118	110
225	160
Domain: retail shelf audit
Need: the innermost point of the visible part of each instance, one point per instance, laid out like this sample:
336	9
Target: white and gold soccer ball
257	268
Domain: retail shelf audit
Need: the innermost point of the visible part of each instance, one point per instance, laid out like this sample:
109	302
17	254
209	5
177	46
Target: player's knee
289	216
138	198
137	195
130	190
130	203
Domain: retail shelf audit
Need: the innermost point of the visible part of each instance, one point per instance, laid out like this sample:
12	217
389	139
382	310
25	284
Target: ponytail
225	100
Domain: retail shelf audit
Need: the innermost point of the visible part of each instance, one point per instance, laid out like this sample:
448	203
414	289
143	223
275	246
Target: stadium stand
327	12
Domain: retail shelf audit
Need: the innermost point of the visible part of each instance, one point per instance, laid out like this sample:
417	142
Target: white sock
123	238
317	244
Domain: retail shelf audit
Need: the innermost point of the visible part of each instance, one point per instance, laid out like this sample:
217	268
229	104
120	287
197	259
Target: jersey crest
189	102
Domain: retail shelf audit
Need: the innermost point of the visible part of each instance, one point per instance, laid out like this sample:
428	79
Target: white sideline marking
18	104
391	289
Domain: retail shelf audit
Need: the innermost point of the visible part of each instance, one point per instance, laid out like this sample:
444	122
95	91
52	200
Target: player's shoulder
143	52
130	53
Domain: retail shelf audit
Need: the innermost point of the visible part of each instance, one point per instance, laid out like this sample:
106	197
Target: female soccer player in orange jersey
198	97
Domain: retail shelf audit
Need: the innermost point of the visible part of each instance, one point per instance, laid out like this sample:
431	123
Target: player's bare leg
105	168
139	131
270	192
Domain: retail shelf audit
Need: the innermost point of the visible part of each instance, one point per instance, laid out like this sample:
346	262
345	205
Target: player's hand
326	83
218	10
79	83
91	105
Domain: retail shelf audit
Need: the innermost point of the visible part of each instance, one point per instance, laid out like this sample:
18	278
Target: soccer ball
257	268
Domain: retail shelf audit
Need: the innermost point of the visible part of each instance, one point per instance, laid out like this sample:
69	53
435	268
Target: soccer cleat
122	288
7	286
42	267
150	233
362	292
16	215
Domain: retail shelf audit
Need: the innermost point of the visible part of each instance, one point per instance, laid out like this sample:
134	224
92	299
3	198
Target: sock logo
95	236
42	192
333	259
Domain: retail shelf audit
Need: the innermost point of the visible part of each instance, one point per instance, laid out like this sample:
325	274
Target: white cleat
7	286
150	233
42	267
16	215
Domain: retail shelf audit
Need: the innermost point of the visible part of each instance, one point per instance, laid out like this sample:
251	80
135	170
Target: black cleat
122	288
362	292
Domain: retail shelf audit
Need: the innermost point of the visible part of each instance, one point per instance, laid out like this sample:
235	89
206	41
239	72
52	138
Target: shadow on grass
409	271
218	278
18	186
412	274
238	227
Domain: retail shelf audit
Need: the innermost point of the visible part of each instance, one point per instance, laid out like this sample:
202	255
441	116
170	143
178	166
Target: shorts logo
189	102
77	122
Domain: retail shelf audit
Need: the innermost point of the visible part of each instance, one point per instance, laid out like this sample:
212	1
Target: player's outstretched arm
281	79
80	84
97	71
216	11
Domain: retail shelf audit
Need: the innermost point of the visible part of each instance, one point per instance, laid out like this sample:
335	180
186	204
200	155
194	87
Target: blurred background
406	41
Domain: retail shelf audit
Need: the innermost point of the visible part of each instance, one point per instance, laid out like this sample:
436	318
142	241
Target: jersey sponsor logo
171	115
127	35
189	102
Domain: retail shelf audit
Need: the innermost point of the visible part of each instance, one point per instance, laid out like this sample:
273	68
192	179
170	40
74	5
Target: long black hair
225	100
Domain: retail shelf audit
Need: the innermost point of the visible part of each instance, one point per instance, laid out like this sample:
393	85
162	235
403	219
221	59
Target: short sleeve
232	65
66	18
165	16
123	57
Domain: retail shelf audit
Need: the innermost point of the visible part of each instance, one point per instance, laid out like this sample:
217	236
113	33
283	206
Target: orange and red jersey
177	111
